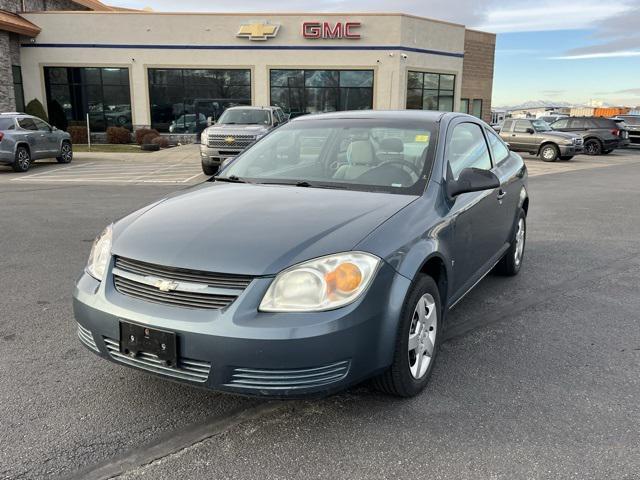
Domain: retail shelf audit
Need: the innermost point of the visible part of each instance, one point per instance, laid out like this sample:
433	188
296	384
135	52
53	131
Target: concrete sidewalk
182	154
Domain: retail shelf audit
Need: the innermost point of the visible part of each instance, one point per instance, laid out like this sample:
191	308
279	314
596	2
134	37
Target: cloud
589	56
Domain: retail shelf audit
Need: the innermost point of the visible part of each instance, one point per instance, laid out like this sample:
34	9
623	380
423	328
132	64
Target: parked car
328	252
632	125
600	135
187	123
536	137
24	139
237	128
552	118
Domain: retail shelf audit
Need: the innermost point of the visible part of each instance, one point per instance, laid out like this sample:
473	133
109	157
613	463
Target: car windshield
540	126
245	117
6	123
631	120
357	154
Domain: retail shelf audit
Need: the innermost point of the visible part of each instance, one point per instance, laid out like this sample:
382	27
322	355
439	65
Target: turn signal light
346	278
1	135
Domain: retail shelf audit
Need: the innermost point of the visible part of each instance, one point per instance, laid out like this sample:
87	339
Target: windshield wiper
304	184
231	179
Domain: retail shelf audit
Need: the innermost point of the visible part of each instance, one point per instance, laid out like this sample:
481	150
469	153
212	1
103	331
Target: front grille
187	288
187	369
292	379
224	141
86	337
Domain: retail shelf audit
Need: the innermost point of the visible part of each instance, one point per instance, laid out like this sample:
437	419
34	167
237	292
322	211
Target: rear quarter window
6	124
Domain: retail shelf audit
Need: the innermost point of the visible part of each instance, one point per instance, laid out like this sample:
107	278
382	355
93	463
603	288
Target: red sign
327	30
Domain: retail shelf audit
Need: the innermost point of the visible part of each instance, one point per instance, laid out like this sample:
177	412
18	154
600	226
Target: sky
553	50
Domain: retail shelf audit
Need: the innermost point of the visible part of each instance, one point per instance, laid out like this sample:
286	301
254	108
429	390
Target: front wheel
210	169
417	342
22	162
512	260
549	153
66	153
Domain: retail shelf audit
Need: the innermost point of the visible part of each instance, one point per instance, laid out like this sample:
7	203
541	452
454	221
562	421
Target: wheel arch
548	142
435	267
22	143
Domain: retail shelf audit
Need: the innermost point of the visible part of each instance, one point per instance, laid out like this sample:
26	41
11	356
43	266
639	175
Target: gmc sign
326	30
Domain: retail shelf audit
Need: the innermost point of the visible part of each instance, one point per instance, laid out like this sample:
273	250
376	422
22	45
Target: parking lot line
48	172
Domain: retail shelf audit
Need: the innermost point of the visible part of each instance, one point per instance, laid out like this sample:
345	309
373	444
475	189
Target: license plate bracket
138	339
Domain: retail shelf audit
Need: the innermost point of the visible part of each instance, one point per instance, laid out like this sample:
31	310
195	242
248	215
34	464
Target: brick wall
477	69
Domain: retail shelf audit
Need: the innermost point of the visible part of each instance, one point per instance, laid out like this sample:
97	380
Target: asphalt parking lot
539	377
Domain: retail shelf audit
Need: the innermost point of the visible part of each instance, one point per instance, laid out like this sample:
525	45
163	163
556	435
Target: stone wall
39	5
477	69
7	95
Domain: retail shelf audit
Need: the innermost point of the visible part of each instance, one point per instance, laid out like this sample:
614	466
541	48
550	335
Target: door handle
501	194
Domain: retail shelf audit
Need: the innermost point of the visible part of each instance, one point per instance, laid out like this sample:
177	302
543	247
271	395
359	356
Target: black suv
600	135
632	124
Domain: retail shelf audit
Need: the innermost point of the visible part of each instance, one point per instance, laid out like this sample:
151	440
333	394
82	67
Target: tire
512	260
22	162
407	377
210	169
566	157
549	152
593	147
66	153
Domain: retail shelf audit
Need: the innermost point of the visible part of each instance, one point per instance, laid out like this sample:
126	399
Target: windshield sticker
422	138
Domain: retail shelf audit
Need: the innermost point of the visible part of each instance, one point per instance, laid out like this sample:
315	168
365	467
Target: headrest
392	145
360	152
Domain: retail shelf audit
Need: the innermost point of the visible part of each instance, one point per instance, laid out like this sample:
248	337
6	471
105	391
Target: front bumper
215	156
240	350
567	150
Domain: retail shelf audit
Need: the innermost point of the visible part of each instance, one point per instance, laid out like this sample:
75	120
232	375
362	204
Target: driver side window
467	148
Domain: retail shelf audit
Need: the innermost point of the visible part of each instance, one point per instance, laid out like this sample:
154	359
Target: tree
57	116
35	108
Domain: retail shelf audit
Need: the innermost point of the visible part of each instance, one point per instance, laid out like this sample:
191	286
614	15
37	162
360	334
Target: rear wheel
593	147
566	157
66	153
417	341
512	260
549	153
22	162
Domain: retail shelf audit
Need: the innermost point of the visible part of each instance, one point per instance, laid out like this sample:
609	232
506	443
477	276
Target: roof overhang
10	22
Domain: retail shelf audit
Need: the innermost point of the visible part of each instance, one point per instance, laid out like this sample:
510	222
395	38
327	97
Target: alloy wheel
519	250
24	159
548	153
66	152
422	336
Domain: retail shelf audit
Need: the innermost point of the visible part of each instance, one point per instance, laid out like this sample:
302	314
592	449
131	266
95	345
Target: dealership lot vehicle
600	135
632	125
237	128
537	138
24	139
297	314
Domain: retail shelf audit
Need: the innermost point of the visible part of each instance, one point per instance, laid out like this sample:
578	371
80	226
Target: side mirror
508	145
54	129
210	121
226	162
531	130
472	180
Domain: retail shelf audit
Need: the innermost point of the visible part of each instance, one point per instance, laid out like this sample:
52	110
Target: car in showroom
536	137
601	136
327	253
25	139
236	129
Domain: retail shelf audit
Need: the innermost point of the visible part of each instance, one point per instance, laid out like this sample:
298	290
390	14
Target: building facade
171	71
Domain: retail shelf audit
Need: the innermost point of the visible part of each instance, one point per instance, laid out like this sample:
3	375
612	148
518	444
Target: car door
478	220
527	137
29	132
48	137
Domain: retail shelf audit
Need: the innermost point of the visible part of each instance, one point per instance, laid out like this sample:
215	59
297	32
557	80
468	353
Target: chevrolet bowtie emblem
258	31
166	285
230	139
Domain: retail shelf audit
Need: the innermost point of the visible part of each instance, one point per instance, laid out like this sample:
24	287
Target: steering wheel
402	163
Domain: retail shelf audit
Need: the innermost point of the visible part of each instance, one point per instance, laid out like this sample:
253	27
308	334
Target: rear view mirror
472	180
531	130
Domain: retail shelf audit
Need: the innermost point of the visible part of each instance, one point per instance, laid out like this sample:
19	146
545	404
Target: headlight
325	283
100	254
203	138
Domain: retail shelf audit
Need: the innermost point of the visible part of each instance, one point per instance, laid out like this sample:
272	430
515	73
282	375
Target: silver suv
24	138
237	128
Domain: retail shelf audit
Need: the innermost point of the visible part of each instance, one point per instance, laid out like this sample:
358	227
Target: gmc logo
325	30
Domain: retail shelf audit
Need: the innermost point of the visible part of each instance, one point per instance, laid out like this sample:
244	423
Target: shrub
118	135
142	132
162	142
35	108
78	134
57	117
148	138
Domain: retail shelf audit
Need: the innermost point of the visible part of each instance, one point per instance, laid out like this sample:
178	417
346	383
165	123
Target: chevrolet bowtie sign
258	31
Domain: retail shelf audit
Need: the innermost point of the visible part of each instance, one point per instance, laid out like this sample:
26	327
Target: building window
103	93
182	99
430	91
476	109
464	105
310	91
17	87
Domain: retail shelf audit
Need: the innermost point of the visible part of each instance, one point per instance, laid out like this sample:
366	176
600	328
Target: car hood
237	129
251	229
562	135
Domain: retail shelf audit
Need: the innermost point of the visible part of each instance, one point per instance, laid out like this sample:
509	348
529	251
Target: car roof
410	115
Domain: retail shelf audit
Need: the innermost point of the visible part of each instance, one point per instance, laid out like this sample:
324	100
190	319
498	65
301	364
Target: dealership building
171	71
